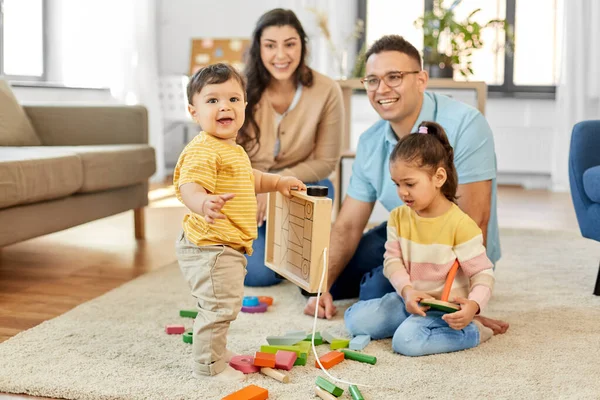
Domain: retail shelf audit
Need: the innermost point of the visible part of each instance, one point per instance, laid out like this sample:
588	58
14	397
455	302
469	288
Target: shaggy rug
114	347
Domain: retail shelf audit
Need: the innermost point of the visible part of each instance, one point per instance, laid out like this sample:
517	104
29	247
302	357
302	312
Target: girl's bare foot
496	325
228	374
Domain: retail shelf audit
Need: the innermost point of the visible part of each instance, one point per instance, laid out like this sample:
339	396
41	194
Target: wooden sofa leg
597	289
139	223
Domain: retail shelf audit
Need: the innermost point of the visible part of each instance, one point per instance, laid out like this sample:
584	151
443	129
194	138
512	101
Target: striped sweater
420	252
219	168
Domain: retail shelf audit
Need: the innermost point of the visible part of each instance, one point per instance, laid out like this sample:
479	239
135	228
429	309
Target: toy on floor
174	329
298	230
244	364
250	392
252	304
188	313
362	357
355	393
188	337
273	373
323	394
329	387
443	304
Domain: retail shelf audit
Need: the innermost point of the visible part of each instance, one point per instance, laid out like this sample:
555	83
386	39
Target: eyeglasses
391	79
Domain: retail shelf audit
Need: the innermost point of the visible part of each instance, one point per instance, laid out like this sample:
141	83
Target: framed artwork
206	51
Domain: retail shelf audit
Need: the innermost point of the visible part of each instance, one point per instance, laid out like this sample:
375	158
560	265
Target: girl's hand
288	183
412	299
261	208
212	205
460	319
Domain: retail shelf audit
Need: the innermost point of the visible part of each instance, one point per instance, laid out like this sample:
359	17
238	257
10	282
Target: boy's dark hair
431	150
258	77
394	43
213	74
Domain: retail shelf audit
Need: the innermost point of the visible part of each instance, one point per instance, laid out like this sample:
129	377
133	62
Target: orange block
264	359
251	392
330	359
265	299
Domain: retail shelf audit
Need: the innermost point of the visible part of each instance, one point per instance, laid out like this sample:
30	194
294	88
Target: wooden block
273	349
284	340
188	313
327	337
250	301
318	338
273	373
330	359
362	357
339	344
301	360
174	329
251	392
323	394
244	364
359	342
355	393
304	346
329	387
298	231
285	359
188	337
266	299
264	359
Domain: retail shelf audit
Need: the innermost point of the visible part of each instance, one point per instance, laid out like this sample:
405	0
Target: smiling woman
294	117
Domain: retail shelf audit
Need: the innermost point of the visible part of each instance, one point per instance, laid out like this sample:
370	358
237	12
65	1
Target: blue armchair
584	179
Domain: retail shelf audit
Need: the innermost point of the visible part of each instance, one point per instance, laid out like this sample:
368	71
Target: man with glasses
396	84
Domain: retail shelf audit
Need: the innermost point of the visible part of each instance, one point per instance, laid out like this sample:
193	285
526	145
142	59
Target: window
531	68
22	39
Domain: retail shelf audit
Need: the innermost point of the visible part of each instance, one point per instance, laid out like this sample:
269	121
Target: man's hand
288	183
458	320
412	298
212	205
261	208
326	307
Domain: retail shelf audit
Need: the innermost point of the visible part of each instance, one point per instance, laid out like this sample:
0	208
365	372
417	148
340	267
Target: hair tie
423	130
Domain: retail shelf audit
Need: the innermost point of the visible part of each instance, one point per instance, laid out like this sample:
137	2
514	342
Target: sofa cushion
591	183
15	127
33	174
114	166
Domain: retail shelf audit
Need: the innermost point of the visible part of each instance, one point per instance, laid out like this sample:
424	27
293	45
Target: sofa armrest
89	125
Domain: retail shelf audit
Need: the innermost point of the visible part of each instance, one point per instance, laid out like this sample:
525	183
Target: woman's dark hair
211	75
258	77
429	150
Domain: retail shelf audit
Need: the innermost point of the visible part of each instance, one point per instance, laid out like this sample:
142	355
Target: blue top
474	157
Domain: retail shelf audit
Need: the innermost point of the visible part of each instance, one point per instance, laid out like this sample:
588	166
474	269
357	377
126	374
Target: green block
339	344
304	346
318	338
273	349
188	313
355	393
353	355
329	387
188	337
301	360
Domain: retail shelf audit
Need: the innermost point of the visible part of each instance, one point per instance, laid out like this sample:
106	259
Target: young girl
424	238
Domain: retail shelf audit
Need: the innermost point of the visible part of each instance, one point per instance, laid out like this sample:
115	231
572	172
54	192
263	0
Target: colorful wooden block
250	301
304	346
273	349
284	340
174	329
244	364
324	395
188	313
318	338
355	393
260	308
188	337
327	337
330	359
266	299
251	392
273	373
362	357
329	387
264	359
285	359
301	360
339	344
359	342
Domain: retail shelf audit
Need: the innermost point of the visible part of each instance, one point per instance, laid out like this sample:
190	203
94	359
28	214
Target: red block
285	359
174	329
244	364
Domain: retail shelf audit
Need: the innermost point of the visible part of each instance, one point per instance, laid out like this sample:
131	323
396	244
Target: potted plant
448	44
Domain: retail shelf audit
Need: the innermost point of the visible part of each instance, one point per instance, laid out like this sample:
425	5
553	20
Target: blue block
359	342
250	301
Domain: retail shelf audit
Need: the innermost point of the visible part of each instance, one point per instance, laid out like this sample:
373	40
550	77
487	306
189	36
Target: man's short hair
394	43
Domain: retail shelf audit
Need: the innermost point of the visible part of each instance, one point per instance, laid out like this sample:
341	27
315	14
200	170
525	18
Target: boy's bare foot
228	374
485	333
496	325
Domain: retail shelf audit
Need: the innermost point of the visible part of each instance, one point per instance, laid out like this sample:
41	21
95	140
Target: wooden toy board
208	51
298	230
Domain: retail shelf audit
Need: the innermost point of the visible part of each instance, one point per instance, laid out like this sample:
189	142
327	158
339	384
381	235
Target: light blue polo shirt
474	157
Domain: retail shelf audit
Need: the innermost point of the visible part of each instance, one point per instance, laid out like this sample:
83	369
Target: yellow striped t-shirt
219	168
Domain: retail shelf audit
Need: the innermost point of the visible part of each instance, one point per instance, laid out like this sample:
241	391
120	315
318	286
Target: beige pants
215	275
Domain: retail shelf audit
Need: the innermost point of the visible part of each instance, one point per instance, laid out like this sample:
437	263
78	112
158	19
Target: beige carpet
114	347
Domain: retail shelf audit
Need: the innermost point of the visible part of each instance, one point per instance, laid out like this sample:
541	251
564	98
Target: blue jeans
258	273
412	335
363	276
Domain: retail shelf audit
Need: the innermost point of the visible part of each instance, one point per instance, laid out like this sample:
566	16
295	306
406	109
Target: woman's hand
261	208
288	183
460	319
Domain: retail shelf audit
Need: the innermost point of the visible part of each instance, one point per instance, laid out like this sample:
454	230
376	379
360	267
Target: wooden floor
45	277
